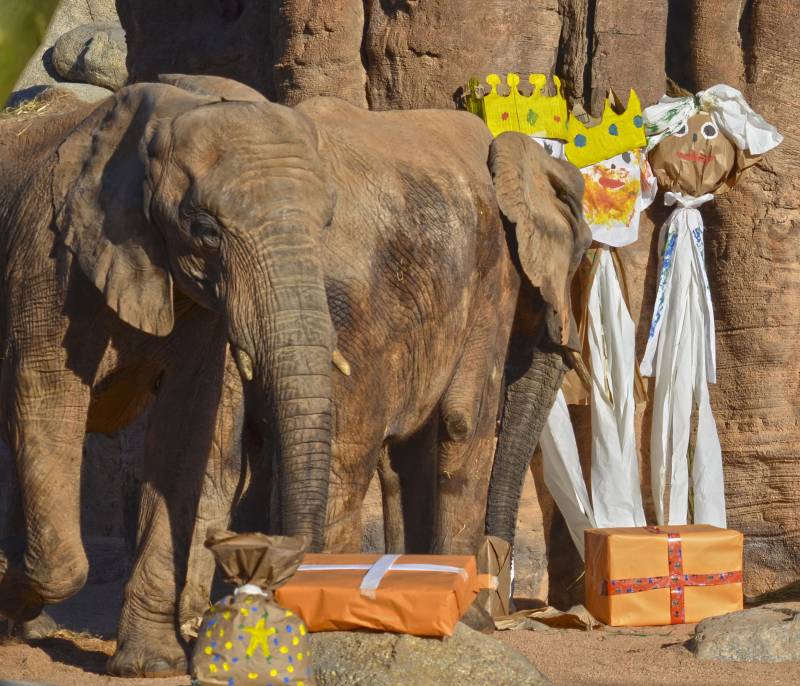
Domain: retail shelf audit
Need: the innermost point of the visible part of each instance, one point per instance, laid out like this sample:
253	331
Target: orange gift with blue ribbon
651	576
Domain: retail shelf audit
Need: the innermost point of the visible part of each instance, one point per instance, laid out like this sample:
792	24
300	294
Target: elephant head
541	198
201	185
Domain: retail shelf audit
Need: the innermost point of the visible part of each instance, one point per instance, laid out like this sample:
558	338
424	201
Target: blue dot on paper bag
580	141
613	130
637	121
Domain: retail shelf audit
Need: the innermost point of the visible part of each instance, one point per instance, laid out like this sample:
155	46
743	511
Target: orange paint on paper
610	195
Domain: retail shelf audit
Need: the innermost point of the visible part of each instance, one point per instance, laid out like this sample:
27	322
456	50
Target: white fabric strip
681	355
616	490
562	472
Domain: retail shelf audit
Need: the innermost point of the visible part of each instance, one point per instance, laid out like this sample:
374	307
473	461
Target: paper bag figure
247	638
699	147
618	186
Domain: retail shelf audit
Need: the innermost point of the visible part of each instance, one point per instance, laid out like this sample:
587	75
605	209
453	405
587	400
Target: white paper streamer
681	353
616	489
562	472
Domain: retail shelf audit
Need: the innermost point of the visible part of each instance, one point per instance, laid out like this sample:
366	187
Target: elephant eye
207	231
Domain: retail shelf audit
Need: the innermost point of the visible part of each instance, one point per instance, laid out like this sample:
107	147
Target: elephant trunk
287	355
529	399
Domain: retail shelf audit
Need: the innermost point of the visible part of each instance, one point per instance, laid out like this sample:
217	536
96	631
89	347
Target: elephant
141	266
398	245
440	240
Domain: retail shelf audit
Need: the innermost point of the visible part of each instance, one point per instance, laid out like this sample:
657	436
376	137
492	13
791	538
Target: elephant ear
214	86
101	189
542	198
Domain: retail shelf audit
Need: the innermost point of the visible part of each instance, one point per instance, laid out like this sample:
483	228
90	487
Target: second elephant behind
441	239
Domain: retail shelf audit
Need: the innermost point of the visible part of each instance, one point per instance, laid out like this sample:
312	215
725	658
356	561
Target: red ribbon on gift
676	581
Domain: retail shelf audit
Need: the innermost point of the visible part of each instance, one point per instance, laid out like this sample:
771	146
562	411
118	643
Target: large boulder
69	15
92	53
770	633
378	659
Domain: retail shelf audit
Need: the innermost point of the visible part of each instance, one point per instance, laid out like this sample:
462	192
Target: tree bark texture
389	54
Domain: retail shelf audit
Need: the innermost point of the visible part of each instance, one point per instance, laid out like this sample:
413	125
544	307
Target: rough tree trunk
419	53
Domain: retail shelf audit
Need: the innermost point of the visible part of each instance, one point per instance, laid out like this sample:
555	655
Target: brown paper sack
699	159
246	638
494	576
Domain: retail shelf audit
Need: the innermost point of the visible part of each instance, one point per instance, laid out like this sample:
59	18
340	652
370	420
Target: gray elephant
440	239
137	246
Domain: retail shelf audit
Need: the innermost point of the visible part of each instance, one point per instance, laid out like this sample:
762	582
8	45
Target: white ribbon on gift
681	354
377	570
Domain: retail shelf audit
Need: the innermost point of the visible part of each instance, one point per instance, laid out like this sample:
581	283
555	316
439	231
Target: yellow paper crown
536	114
618	131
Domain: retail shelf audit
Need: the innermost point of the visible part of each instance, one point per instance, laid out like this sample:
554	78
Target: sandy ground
613	657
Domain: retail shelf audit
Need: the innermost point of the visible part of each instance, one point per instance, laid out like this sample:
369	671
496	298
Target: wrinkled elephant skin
142	239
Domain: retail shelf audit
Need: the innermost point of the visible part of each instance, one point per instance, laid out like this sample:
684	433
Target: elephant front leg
464	468
180	437
45	416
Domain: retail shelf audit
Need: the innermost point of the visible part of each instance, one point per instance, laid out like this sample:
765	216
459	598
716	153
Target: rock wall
418	53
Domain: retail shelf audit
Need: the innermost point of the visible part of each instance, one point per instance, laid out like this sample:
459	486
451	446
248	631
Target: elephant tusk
245	364
341	364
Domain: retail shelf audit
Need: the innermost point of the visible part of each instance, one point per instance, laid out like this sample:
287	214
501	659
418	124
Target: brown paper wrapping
494	576
247	638
635	552
409	602
694	163
577	387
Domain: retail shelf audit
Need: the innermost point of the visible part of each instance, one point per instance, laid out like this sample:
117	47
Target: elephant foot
44	626
149	656
18	602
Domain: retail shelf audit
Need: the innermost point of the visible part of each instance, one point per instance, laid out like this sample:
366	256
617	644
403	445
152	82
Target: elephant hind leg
408	485
353	465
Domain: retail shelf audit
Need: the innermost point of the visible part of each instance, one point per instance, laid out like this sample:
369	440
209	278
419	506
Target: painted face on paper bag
611	189
698	158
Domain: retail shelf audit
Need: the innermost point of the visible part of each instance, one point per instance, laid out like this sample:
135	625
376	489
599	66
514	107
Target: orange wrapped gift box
423	595
650	576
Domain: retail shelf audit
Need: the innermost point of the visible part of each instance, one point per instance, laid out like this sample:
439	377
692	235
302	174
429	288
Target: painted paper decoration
247	639
699	147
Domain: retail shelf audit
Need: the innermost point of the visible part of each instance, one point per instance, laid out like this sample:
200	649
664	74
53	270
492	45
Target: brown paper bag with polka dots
247	639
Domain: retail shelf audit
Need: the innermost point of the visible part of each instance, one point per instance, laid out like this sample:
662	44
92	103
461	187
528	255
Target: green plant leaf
23	24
